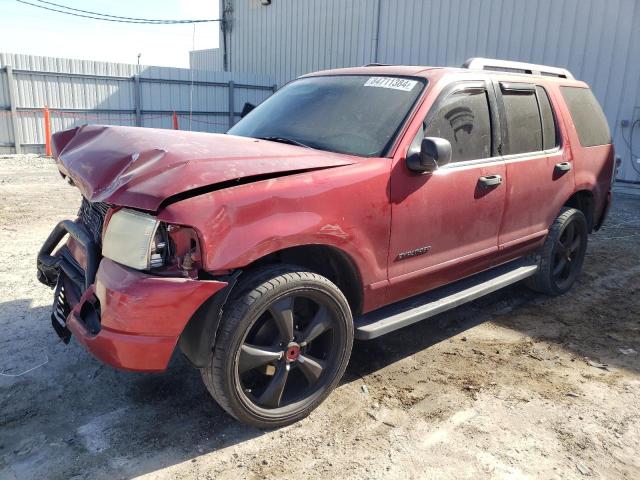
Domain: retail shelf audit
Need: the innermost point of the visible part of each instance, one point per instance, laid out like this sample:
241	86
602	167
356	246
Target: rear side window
523	121
464	120
549	139
587	115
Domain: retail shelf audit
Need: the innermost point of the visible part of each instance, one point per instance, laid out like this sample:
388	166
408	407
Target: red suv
351	203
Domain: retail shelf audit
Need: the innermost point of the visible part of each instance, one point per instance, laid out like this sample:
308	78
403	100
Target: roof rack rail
478	63
377	65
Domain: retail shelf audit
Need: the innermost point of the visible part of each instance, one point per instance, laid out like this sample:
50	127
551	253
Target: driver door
445	224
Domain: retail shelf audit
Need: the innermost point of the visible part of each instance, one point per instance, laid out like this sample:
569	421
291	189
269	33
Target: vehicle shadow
370	356
75	415
597	319
585	334
71	415
101	421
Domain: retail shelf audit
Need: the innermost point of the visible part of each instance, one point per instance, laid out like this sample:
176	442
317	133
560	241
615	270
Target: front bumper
128	319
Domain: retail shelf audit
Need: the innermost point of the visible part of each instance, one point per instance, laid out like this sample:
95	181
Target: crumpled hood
142	167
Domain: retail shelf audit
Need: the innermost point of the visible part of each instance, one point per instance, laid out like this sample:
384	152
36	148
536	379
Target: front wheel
283	345
562	255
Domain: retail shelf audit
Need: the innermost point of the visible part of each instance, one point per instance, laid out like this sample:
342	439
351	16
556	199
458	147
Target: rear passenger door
538	169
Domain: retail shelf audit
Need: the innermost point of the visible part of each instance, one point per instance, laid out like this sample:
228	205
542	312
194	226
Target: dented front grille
91	215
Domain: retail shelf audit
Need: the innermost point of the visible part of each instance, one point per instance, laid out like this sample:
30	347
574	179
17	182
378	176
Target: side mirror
434	152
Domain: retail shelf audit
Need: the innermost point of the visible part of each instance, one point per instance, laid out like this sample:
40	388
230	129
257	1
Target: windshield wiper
289	141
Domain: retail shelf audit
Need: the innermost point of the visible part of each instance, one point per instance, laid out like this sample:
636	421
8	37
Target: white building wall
210	59
293	37
598	40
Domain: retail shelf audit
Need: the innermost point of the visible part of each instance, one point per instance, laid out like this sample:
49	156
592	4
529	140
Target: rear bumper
127	319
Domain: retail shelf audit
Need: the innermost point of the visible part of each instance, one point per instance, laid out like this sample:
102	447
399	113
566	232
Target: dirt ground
516	385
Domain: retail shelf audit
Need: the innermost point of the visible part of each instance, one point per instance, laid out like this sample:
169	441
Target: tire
253	374
561	257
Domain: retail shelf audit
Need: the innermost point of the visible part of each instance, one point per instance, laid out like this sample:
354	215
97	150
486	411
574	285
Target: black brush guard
53	269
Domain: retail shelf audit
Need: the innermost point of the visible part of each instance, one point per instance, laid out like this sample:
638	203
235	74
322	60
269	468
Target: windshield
351	114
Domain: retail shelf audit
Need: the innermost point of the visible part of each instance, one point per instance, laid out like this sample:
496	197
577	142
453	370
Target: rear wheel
562	255
283	345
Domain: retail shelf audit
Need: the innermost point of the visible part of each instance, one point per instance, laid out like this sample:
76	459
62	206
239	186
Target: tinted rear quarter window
588	117
523	121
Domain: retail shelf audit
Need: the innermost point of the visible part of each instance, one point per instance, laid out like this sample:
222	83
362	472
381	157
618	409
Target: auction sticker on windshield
391	82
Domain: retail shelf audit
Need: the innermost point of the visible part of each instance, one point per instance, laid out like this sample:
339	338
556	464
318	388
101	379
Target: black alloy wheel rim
567	255
289	353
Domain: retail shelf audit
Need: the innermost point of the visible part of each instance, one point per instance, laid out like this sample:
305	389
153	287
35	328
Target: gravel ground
515	385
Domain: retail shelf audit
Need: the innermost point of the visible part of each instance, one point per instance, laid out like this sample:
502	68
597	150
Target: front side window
524	126
353	114
465	121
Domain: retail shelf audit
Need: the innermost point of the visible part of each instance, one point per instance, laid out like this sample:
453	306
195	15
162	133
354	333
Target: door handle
563	167
488	181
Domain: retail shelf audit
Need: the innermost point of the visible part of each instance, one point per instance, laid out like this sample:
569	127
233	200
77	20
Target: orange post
47	132
175	121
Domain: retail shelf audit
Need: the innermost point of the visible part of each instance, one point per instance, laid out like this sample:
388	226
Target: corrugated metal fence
80	91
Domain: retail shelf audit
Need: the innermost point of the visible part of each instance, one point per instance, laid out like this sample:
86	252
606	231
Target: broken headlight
159	253
139	240
129	237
